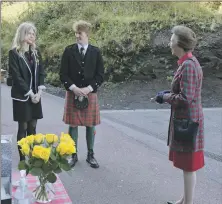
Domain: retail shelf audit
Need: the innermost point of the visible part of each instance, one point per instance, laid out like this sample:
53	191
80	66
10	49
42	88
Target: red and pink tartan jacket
185	98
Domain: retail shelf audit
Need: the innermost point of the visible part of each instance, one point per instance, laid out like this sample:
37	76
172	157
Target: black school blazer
71	71
21	74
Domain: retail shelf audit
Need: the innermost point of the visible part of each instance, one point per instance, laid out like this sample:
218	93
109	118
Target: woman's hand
161	97
153	99
158	99
166	96
36	97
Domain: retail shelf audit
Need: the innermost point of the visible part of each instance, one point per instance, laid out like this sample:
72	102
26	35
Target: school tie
82	52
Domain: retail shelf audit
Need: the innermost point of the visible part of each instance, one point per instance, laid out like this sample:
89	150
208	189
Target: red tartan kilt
87	117
187	161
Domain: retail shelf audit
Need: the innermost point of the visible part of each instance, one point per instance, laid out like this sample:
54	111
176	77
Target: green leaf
57	171
64	164
36	171
38	163
27	163
64	161
64	157
31	161
22	165
51	178
65	167
52	156
54	165
46	168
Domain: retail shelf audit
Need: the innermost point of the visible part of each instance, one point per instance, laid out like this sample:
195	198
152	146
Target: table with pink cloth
61	196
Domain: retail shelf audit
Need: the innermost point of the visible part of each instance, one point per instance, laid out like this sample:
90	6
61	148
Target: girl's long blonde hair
20	35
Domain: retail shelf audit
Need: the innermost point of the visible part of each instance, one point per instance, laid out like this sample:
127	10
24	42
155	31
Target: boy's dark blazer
72	70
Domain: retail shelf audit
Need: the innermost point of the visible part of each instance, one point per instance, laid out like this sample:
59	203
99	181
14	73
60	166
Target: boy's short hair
82	26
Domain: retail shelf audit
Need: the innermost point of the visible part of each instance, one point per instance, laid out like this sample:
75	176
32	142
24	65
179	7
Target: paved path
133	156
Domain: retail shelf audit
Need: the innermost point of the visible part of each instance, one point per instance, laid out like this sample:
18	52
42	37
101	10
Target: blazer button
79	72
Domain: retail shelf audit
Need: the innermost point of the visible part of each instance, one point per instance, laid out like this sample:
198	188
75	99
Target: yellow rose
22	142
51	138
65	148
64	134
30	139
45	153
61	148
70	141
36	152
25	149
70	149
66	138
41	152
38	138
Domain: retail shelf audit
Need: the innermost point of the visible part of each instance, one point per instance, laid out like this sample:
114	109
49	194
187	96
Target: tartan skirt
187	161
87	117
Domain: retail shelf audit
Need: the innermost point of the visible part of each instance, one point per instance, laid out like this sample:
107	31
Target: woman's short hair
82	26
186	38
20	35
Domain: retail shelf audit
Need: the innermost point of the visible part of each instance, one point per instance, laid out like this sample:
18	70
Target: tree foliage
115	25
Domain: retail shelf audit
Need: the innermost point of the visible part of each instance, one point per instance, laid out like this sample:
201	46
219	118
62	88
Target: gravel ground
137	94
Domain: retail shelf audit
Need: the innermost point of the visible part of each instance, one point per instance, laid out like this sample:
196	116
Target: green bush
53	79
115	26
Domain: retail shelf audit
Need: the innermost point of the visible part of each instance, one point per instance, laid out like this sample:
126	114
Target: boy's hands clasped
81	91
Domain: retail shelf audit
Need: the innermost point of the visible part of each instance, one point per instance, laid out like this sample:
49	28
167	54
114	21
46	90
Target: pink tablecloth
61	196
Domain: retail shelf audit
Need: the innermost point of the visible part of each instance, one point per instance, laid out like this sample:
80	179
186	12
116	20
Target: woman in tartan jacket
185	99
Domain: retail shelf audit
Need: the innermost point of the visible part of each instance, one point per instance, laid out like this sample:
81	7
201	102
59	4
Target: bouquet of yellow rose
46	155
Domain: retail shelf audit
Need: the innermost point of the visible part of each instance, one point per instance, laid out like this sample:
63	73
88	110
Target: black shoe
73	161
91	160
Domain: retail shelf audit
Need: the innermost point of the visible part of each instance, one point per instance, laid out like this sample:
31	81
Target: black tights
25	129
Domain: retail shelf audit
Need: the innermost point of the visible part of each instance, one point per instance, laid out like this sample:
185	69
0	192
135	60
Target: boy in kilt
82	73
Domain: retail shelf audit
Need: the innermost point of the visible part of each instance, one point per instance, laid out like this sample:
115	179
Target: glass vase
44	193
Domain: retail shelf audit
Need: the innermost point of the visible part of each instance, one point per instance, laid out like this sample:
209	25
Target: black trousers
25	129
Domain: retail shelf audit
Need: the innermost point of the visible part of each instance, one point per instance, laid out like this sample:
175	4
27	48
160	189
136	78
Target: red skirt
87	117
187	161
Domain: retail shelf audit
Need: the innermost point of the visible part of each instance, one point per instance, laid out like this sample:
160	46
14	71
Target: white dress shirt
84	46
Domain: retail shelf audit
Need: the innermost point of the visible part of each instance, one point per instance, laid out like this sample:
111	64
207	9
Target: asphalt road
131	149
